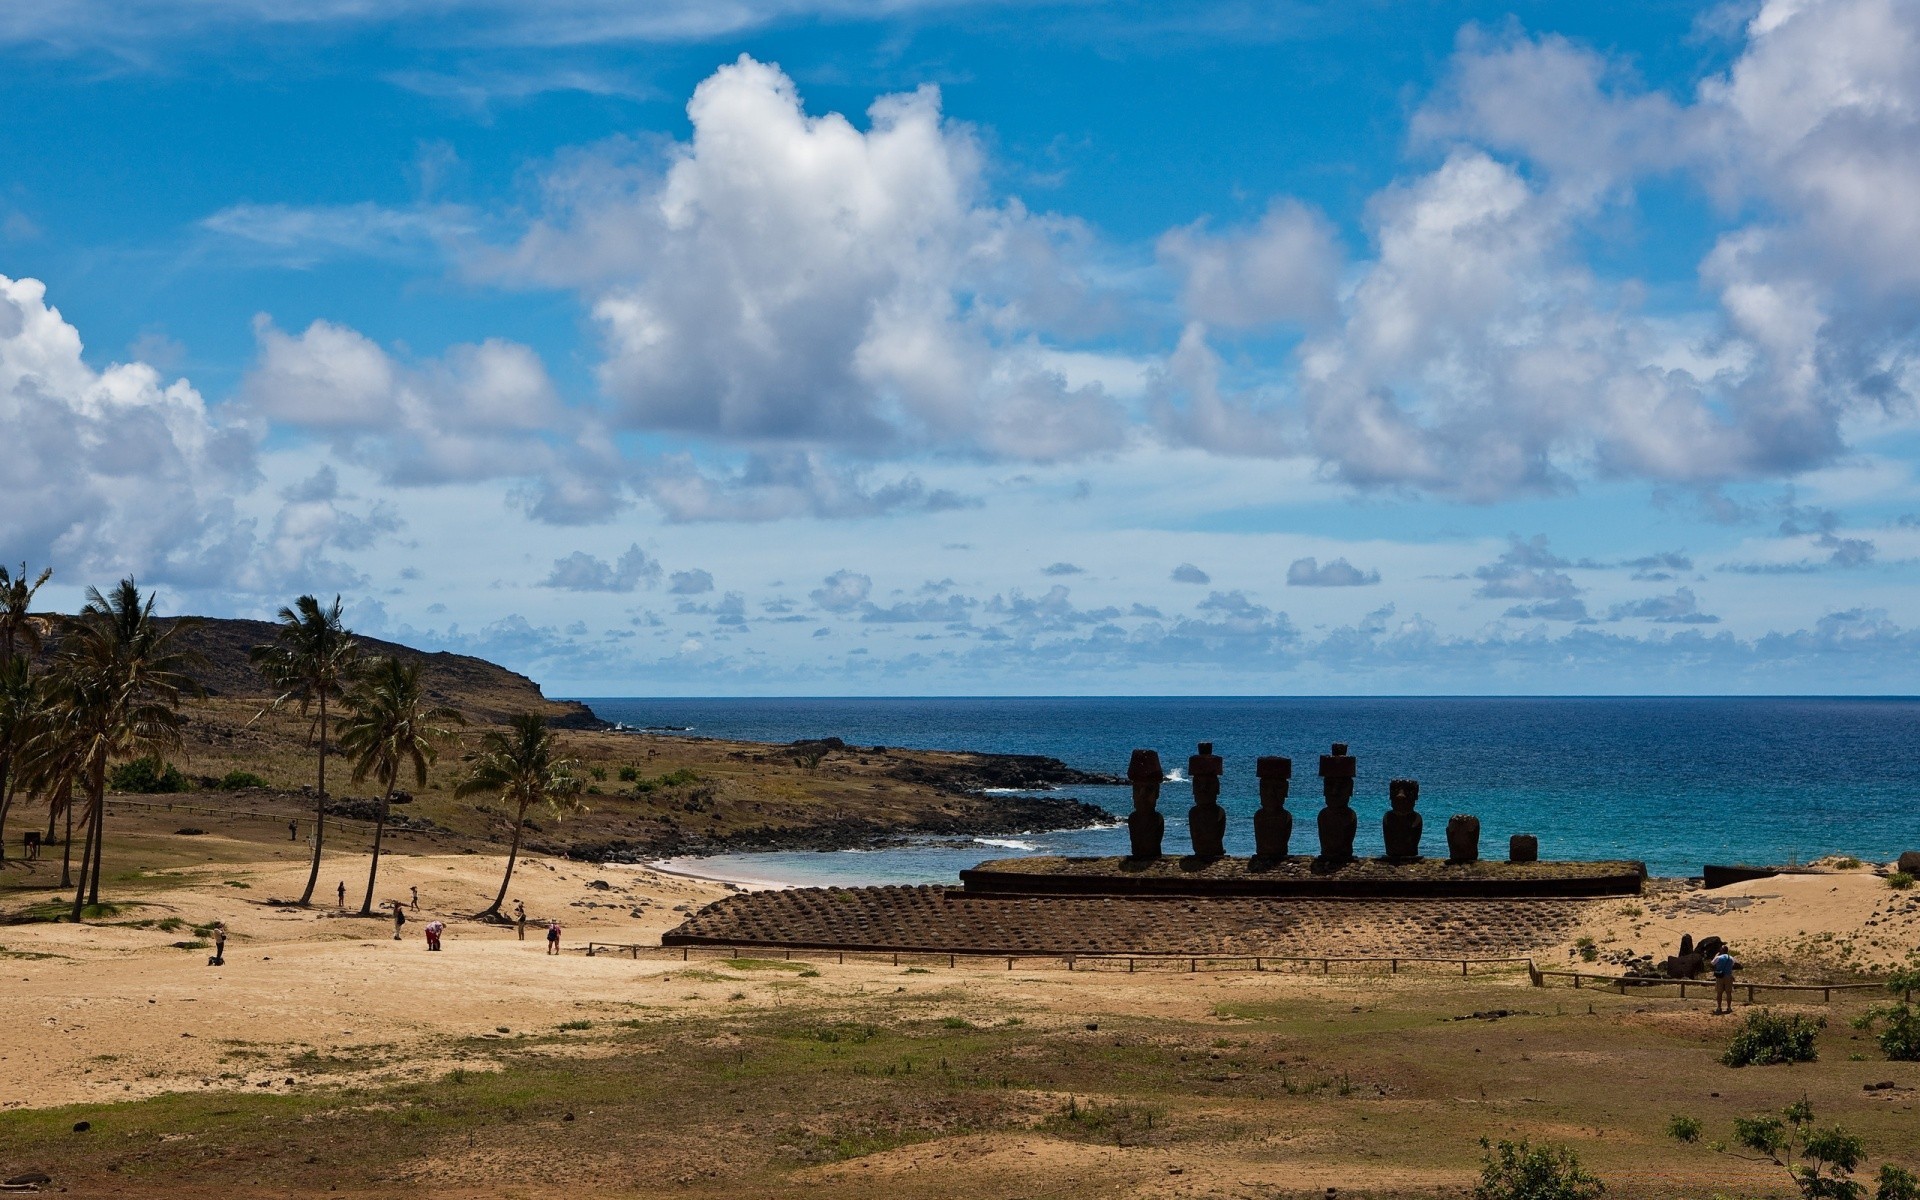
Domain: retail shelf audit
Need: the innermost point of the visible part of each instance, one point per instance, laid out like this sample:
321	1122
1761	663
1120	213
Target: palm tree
118	684
519	764
52	764
311	661
17	632
19	710
389	729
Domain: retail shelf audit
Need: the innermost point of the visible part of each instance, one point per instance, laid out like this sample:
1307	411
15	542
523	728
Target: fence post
1129	966
683	953
1193	965
1463	968
1396	967
953	960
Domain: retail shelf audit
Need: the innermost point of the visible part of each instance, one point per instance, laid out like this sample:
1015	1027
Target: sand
115	1011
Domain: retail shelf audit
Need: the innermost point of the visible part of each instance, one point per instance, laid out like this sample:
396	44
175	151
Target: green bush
1768	1038
1521	1171
1899	881
233	781
1899	1035
148	776
629	774
1684	1129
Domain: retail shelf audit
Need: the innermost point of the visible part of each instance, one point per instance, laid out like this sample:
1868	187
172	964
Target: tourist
1723	969
416	899
520	919
434	930
342	892
293	831
399	917
219	958
553	937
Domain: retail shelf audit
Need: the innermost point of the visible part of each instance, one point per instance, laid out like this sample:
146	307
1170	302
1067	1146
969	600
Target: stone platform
1299	877
947	920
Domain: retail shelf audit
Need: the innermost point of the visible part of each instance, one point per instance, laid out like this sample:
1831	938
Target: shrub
629	774
233	781
1684	1129
1768	1038
1899	881
1900	1036
599	773
148	776
1521	1171
1846	862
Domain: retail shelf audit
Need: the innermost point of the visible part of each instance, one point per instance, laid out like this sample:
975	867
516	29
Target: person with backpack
1724	966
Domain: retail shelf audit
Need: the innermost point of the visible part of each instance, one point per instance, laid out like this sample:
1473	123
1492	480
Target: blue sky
803	346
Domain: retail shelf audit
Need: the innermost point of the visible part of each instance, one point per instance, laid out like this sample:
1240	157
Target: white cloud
1338	572
842	591
582	572
1283	269
791	278
690	583
777	485
1188	573
116	470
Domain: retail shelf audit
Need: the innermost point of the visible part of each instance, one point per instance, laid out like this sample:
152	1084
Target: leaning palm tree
117	683
53	763
389	728
310	661
520	765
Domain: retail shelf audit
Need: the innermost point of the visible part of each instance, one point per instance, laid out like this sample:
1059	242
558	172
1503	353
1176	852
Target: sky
916	347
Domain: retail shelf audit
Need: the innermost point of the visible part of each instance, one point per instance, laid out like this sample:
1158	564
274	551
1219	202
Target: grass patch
766	964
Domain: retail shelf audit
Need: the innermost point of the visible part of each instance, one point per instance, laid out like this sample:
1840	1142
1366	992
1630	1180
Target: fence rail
1190	963
1621	984
1128	963
216	811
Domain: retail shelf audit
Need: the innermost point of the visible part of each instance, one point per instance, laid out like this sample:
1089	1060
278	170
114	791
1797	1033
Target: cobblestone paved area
933	918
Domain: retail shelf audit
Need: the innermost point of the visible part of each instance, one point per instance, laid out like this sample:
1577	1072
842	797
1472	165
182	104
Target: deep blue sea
1676	783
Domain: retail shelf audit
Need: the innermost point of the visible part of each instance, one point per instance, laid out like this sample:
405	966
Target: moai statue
1206	820
1337	822
1463	838
1401	826
1273	824
1145	826
1523	848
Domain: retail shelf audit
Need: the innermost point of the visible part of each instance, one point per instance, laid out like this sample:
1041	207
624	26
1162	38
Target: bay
1675	782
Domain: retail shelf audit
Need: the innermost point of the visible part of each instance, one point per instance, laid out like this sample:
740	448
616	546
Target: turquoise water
1674	782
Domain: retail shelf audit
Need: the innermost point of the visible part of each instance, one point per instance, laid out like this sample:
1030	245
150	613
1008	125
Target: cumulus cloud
1681	608
1527	571
1061	568
690	583
776	485
115	470
1307	572
842	591
793	278
1564	608
1283	269
1188	573
582	572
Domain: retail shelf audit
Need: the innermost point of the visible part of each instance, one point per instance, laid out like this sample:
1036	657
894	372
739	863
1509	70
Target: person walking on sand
343	895
553	937
399	917
520	919
219	958
416	899
1724	966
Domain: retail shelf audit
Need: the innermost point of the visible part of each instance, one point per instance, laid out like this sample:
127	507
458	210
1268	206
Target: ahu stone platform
1301	878
947	920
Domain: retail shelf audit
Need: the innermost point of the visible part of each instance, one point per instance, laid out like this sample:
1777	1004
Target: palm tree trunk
513	852
88	854
319	806
379	831
6	804
66	844
99	830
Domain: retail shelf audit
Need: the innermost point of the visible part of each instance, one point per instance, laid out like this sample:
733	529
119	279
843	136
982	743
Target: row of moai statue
1273	824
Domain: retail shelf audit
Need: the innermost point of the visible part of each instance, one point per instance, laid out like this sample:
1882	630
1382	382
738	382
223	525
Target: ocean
1676	783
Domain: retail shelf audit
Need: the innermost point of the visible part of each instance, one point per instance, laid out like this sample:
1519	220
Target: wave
1005	843
1174	776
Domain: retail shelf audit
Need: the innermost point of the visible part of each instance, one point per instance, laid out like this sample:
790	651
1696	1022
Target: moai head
1276	777
1144	773
1205	769
1403	794
1336	776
